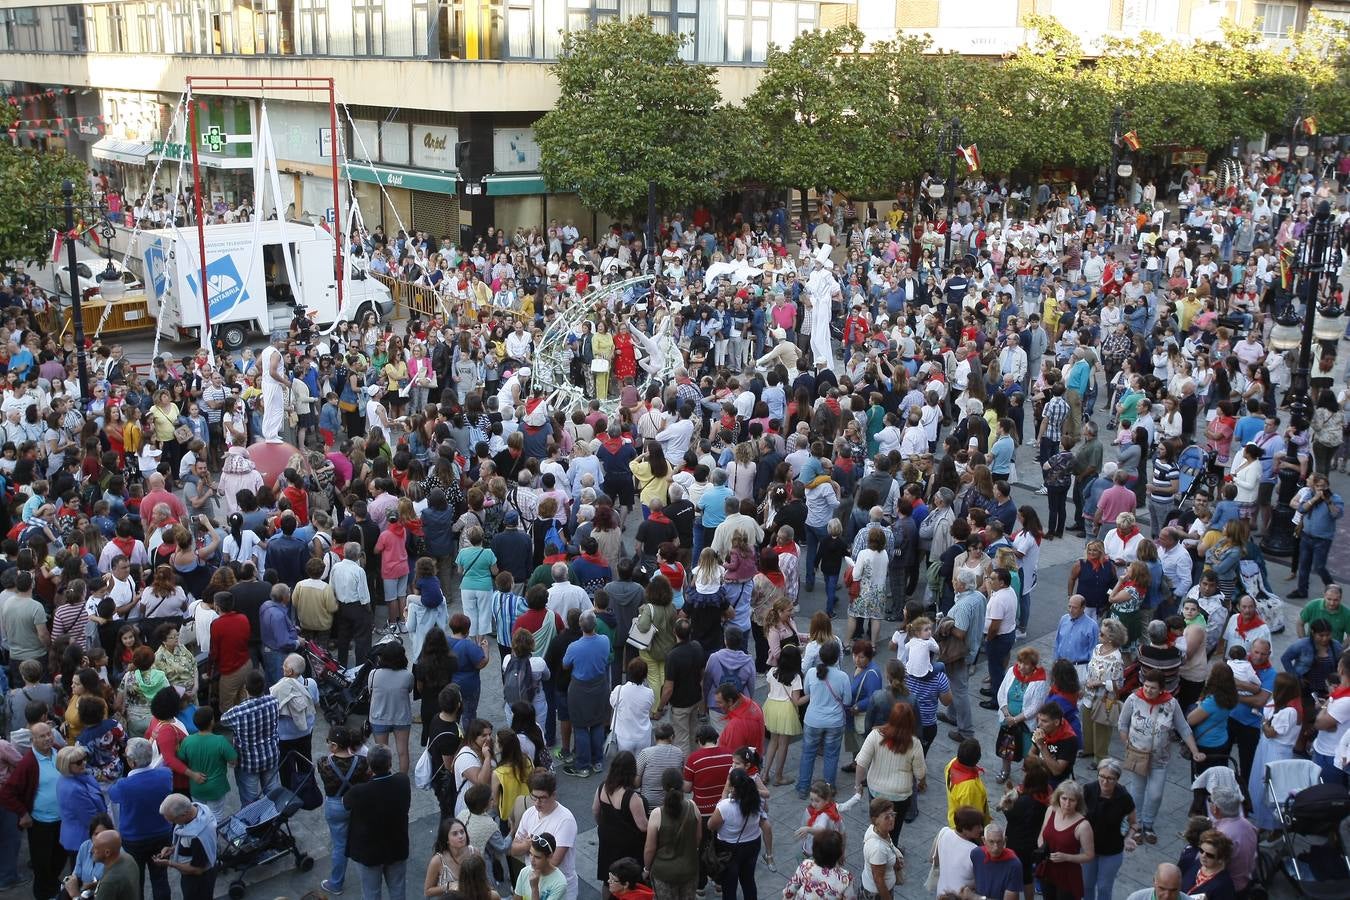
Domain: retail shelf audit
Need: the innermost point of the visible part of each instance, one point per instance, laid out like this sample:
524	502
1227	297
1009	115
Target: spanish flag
1131	140
1310	125
1287	266
971	155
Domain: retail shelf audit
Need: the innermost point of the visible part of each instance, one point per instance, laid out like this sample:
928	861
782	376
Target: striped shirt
925	692
707	768
1164	473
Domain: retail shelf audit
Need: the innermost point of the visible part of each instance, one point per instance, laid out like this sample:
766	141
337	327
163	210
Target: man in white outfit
275	385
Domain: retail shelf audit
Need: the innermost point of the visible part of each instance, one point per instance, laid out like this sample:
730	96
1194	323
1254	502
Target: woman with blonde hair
1066	838
780	630
741	472
820	633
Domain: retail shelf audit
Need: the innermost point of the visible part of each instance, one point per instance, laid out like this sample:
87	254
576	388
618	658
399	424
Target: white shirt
1003	607
632	717
955	869
564	596
1327	742
563	826
674	440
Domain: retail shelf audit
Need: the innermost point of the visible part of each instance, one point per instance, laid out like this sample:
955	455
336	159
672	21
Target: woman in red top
1066	836
167	733
625	355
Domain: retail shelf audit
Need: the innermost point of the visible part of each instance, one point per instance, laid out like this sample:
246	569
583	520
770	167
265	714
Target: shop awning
514	185
174	151
132	153
411	179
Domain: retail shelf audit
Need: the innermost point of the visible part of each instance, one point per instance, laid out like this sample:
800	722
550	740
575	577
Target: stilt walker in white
274	387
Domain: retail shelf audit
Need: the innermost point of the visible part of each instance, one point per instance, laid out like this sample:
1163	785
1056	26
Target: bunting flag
1131	140
1310	125
971	155
1287	266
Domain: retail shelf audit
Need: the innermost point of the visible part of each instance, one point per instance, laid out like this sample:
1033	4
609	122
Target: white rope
364	150
135	239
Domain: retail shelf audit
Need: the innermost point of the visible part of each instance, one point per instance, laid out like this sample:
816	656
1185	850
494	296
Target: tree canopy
30	195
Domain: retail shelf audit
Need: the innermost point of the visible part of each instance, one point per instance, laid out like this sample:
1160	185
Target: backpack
520	684
494	522
554	537
732	677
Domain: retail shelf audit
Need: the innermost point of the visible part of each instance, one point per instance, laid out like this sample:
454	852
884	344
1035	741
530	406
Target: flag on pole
1310	125
1287	266
971	155
1131	140
58	242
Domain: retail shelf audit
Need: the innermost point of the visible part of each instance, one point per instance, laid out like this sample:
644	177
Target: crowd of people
640	574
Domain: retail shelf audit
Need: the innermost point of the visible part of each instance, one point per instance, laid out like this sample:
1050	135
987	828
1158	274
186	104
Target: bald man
1166	885
121	878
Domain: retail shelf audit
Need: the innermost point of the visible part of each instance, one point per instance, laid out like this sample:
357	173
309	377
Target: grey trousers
958	674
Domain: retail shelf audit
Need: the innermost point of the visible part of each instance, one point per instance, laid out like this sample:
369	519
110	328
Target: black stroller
337	684
260	833
1310	815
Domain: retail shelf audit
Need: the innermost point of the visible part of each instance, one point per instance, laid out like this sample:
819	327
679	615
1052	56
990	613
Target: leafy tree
30	195
631	111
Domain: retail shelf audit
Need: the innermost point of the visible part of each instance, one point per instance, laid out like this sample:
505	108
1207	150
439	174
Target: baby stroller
1199	472
260	833
1310	814
337	684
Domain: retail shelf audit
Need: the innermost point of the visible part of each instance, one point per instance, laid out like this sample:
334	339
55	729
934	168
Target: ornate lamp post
949	146
1320	317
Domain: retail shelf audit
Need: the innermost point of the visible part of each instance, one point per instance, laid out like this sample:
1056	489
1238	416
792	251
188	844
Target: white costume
273	394
822	287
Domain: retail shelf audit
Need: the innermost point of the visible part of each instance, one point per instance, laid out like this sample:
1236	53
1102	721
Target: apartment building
416	79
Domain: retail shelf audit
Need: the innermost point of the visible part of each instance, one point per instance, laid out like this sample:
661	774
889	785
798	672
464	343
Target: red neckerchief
1042	796
125	544
612	444
829	810
776	578
657	515
1004	855
1161	699
1037	675
555	558
959	772
1255	622
1062	733
595	559
1263	667
674	573
1126	538
787	548
1172	640
1072	698
1342	691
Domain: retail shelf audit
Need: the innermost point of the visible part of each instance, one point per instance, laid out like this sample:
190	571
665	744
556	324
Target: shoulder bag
639	639
611	741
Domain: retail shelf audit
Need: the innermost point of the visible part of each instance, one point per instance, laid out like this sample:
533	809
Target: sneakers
329	888
598	770
563	756
575	772
1148	836
1296	595
1042	491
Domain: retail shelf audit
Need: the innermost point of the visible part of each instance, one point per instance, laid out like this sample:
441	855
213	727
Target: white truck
250	287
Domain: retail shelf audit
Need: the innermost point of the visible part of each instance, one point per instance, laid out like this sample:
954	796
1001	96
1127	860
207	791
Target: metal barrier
417	299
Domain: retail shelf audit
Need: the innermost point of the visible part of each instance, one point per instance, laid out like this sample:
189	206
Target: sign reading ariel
433	147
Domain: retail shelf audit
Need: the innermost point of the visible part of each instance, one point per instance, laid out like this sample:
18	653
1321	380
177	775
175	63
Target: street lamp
1117	122
1320	317
110	284
69	206
949	145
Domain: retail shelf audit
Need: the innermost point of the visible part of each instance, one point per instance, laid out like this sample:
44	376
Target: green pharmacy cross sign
215	139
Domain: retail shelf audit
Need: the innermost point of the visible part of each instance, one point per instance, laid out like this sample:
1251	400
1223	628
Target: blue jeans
272	660
338	819
253	785
589	744
1331	773
1151	791
831	589
1099	876
1312	557
813	741
394	875
814	538
9	848
999	649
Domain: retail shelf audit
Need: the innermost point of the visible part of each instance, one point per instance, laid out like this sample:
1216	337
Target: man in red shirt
706	770
155	494
744	726
230	660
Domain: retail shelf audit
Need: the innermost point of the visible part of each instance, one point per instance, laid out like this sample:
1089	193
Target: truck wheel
232	337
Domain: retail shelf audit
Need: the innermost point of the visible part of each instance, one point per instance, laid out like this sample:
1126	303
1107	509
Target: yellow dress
602	345
513	788
648	484
1050	316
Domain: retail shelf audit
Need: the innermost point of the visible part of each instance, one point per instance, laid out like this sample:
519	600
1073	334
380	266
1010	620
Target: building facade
415	79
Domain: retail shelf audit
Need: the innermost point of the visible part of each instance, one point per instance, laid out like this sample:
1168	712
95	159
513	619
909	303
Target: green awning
412	179
514	185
